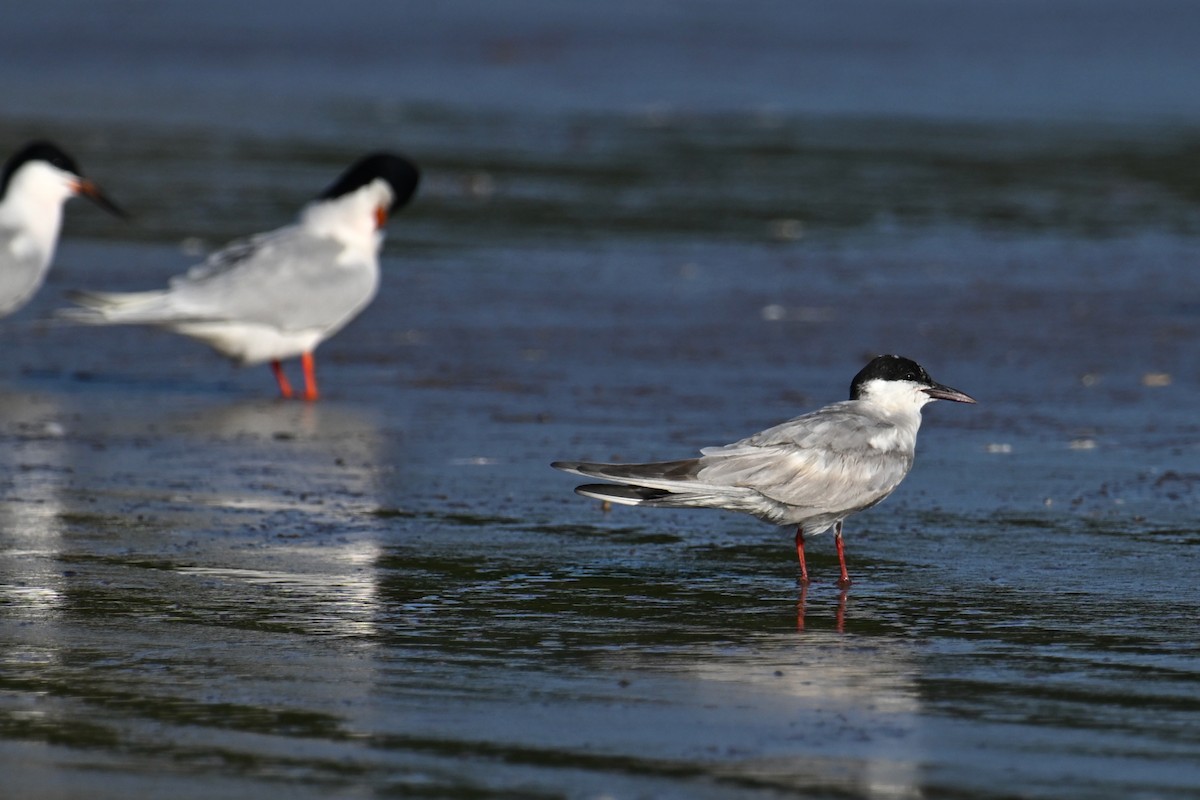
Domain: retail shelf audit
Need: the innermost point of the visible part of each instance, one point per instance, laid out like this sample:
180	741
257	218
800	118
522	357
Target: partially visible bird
37	180
812	471
278	295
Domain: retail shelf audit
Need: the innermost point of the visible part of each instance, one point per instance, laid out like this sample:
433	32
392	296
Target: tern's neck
350	219
899	402
898	422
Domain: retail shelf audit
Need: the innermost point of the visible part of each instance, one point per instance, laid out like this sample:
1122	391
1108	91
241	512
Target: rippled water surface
644	228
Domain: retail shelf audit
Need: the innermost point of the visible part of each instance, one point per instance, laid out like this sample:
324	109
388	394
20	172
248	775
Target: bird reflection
802	608
257	471
843	711
316	463
34	468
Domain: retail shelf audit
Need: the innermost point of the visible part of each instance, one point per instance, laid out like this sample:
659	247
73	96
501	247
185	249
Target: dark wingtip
619	492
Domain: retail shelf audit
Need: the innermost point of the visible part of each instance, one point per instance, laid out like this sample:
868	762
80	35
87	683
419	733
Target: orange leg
310	376
844	580
800	555
285	388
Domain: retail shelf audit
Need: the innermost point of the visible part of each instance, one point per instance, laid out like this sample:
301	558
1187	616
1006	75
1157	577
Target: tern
37	180
278	295
812	471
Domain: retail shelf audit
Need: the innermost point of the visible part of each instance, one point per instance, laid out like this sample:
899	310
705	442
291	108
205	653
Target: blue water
644	228
1081	59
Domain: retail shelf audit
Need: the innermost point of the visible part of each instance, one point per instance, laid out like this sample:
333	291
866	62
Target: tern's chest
894	435
28	244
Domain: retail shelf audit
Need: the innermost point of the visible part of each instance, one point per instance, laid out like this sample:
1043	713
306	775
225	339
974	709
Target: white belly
247	343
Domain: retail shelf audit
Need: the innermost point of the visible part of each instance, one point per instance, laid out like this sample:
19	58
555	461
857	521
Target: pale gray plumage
278	295
812	471
281	280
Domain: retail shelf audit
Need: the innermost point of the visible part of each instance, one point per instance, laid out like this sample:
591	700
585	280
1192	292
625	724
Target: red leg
285	388
844	580
310	376
800	555
801	606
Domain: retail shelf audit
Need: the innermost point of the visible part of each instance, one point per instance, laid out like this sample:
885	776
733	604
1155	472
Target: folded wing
287	280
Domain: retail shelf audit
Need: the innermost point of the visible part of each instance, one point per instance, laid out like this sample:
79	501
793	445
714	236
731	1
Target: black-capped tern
278	295
37	180
812	471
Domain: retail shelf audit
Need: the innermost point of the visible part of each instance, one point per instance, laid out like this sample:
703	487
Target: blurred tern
278	295
36	182
812	471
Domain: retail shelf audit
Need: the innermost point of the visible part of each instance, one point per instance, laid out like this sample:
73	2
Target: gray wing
288	279
834	458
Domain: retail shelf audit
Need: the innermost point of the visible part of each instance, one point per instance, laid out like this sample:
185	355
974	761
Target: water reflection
307	467
233	620
132	489
33	585
802	608
819	711
34	470
153	559
855	696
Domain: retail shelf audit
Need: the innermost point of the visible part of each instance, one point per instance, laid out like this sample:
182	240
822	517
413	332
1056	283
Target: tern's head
40	177
384	180
901	382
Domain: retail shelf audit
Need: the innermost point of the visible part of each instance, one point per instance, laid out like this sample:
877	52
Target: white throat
32	207
896	397
350	219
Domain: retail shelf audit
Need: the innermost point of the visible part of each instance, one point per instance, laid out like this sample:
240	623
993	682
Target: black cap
400	173
889	368
39	150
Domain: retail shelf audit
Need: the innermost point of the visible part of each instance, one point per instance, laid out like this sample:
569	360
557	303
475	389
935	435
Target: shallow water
208	592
